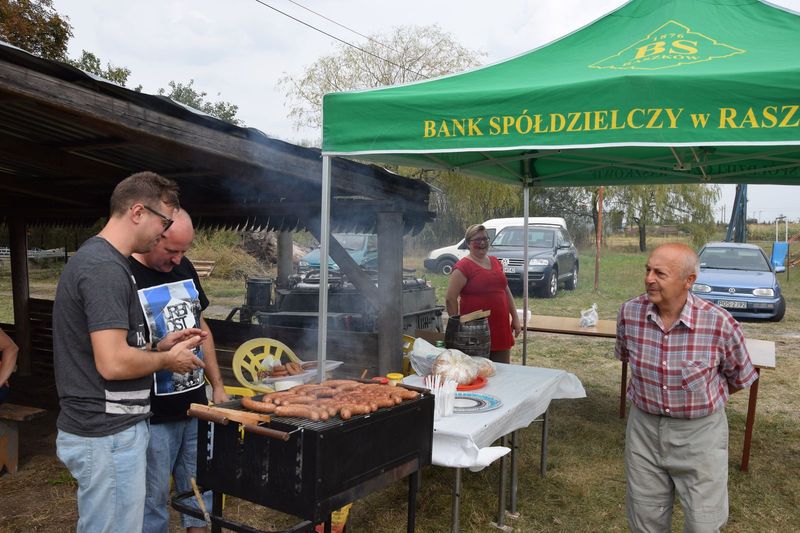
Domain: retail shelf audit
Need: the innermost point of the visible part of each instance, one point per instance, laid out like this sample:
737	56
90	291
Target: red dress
486	289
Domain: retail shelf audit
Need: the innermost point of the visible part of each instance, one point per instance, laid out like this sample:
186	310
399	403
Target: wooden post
285	259
20	292
390	292
598	238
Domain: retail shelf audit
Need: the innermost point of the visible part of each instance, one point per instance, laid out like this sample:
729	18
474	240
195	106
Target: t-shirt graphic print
172	307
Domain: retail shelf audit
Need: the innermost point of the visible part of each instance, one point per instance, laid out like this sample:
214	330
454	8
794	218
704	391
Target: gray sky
236	50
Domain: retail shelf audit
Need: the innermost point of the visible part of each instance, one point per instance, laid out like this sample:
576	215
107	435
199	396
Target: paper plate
474	402
476	383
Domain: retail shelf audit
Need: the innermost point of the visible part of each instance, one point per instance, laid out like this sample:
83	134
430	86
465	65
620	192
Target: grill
320	466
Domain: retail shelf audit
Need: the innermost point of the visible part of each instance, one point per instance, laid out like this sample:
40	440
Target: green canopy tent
658	91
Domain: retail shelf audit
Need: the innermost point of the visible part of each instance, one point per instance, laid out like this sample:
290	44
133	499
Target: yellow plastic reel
258	354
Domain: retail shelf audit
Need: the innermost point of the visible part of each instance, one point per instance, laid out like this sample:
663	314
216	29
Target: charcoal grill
309	469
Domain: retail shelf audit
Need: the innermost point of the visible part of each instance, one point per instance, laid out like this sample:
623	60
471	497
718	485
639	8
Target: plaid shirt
683	372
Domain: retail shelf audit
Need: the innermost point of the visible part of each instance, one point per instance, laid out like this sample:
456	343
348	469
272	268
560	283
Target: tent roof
669	91
67	138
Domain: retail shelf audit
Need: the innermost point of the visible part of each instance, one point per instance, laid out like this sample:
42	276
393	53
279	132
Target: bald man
173	299
686	357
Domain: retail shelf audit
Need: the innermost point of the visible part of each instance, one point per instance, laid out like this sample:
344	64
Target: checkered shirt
683	372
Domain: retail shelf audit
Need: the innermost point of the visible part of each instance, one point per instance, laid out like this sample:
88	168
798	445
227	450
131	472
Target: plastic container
394	378
287	384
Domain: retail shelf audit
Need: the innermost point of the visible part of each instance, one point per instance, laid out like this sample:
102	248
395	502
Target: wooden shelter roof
67	138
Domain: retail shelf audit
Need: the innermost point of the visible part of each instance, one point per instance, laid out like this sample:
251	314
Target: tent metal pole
525	213
324	244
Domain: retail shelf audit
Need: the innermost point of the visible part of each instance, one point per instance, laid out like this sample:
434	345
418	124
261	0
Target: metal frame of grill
313	468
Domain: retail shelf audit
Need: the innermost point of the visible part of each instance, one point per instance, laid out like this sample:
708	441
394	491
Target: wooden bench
204	268
10	415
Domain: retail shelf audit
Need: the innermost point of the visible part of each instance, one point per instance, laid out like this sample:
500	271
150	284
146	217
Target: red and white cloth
686	371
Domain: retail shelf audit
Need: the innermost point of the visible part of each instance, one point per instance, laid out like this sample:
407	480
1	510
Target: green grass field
584	487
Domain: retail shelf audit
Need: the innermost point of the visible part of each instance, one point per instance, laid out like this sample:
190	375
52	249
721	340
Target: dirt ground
41	496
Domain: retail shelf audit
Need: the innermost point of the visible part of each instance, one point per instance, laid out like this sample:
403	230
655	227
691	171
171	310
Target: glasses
165	220
480	239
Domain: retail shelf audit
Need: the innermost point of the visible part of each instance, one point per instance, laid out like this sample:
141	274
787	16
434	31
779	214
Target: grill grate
336	421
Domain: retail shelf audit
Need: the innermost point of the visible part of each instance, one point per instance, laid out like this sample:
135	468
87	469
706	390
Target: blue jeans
110	472
172	451
4	390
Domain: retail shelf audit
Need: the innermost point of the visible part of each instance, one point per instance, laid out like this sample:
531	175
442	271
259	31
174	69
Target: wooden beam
285	259
56	161
20	292
360	280
206	145
390	281
39	193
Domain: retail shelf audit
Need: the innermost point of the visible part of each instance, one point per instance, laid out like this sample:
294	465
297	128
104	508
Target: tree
35	26
462	200
188	95
575	204
689	205
409	53
89	62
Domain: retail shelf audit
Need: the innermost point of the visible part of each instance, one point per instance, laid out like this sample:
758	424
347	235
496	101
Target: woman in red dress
478	281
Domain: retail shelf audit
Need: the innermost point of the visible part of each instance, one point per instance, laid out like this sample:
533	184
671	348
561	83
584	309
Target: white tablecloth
463	440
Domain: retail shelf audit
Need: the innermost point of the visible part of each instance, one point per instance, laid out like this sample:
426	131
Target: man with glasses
165	220
103	368
173	299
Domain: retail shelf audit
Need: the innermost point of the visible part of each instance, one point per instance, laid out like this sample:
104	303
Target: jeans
172	451
110	472
4	390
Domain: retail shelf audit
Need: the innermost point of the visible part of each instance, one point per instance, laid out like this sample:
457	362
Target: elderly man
103	372
173	299
686	356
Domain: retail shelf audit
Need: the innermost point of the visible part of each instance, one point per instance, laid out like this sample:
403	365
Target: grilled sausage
300	411
338	382
255	405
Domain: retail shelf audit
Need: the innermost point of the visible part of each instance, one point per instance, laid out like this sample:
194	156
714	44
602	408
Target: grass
585	486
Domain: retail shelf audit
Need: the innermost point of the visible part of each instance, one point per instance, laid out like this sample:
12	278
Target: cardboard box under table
464	440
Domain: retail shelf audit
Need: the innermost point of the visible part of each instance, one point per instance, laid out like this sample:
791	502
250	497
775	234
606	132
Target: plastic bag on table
456	365
589	317
485	367
422	356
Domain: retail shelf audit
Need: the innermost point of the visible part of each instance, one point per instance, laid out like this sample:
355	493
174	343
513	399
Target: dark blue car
740	278
552	258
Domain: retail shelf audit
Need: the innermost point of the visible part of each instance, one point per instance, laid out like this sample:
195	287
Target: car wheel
551	287
572	282
445	266
781	311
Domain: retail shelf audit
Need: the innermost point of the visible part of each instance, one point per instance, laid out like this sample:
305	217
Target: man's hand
180	357
218	395
174	337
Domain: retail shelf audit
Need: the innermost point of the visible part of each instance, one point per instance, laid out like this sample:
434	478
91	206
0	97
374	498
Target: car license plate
509	270
732	304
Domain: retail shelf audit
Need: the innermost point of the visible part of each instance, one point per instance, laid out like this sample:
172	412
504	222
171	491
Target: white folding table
465	440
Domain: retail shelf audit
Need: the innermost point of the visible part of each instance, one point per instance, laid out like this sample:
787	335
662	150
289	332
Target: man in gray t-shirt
102	367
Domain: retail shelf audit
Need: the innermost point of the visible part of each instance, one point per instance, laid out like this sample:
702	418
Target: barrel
258	296
472	337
